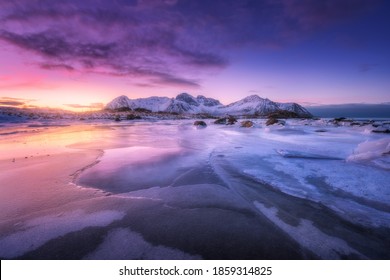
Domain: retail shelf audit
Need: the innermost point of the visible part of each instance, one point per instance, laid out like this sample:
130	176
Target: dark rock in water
200	123
117	118
231	120
132	117
226	120
336	121
381	131
220	121
320	130
283	114
247	124
271	121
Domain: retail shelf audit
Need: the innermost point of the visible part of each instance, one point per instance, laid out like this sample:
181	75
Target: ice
192	196
220	179
124	244
377	151
310	237
358	193
299	154
38	231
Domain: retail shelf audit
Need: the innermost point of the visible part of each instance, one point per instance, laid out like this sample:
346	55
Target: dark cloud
11	103
15	102
163	42
48	66
16	99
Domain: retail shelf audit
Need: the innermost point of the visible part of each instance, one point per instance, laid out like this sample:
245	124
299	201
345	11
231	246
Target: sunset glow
80	55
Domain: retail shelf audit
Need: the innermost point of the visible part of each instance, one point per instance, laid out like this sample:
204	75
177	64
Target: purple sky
80	54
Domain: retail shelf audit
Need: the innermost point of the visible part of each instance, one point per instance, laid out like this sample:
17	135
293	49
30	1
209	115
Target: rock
226	120
339	119
271	121
231	120
142	110
132	117
381	131
283	114
117	118
200	124
247	124
342	119
220	121
320	130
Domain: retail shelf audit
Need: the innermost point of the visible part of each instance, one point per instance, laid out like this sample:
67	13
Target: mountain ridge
185	103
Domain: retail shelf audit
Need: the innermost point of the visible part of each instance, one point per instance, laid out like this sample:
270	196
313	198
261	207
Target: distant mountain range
185	103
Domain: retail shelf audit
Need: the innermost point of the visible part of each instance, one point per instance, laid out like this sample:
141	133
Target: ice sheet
124	244
310	237
36	232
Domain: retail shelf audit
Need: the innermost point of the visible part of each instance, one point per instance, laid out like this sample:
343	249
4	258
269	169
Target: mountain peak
253	98
187	98
118	103
185	103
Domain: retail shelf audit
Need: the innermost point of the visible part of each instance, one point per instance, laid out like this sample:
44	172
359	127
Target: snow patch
370	150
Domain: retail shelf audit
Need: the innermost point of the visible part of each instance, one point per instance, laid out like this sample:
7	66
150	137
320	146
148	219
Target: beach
170	190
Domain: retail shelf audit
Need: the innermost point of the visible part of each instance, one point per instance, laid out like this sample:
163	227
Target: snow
153	103
331	180
186	103
371	151
298	154
295	159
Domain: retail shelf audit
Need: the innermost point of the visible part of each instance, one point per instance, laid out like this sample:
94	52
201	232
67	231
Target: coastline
42	176
60	198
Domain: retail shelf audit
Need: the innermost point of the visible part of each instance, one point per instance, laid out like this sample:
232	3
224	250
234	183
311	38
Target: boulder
381	131
220	121
231	120
226	120
247	124
200	124
271	121
132	117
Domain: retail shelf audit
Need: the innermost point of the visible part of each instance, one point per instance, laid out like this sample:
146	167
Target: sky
79	55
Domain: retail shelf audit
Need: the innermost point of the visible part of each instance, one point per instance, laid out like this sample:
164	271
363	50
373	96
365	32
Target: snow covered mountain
153	103
251	105
186	103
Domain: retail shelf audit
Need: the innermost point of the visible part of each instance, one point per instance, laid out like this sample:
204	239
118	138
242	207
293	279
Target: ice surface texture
308	189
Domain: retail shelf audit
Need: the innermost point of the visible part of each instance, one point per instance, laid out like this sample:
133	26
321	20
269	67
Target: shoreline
38	177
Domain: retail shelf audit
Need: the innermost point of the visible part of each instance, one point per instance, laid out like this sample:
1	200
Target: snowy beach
166	189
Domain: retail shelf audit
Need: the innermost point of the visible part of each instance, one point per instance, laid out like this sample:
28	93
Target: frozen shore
168	190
